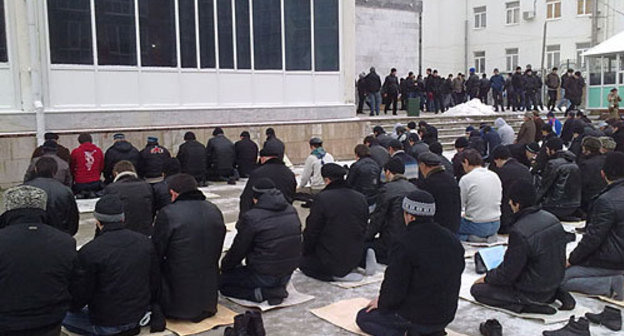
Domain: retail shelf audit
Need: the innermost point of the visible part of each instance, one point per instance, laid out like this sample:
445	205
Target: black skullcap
50	136
217	131
395	166
189	136
333	171
419	203
533	147
430	159
271	148
245	134
378	129
109	209
461	142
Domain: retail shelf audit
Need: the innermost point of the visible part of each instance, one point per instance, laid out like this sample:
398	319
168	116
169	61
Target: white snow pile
472	108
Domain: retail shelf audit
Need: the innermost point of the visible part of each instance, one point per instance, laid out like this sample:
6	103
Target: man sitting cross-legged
117	278
333	239
597	263
269	239
534	263
421	287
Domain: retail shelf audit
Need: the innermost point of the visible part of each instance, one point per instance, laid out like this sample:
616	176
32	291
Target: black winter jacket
268	237
188	236
517	82
593	183
423	277
603	244
220	154
431	134
152	159
542	157
373	82
61	206
117	277
119	151
384	140
618	137
364	177
391	85
510	173
36	263
387	219
138	201
335	228
276	171
445	191
192	157
246	156
380	155
534	263
472	85
561	182
162	197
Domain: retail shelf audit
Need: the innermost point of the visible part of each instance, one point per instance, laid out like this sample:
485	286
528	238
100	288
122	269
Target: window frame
512	54
480	17
553	56
551	9
7	42
580	59
587	7
479	61
515	13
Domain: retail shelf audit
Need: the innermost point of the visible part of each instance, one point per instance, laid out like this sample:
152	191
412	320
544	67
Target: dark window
267	35
298	35
188	46
206	33
157	31
326	35
243	42
3	44
226	45
70	32
116	35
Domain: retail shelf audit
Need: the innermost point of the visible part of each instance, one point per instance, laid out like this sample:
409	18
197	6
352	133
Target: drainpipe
35	70
466	27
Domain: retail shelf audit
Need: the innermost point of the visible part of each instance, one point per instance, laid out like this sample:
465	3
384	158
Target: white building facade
115	64
503	34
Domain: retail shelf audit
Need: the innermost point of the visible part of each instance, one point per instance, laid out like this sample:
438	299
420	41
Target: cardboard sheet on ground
223	317
377	277
470	276
229	240
501	240
612	301
86	205
207	193
294	298
342	314
144	331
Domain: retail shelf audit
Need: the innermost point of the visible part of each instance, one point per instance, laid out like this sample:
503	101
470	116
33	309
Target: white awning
611	46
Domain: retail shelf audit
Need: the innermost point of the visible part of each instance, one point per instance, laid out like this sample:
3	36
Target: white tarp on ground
613	45
472	108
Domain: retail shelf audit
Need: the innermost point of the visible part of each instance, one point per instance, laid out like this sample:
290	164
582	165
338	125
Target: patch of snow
472	108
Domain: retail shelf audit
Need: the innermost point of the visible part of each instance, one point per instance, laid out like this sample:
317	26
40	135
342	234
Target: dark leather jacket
561	182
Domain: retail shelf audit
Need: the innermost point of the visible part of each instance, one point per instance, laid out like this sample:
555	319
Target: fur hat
25	197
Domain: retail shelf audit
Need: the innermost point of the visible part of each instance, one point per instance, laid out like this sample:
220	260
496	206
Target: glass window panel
267	35
594	71
609	68
3	43
116	36
226	45
188	46
298	35
206	34
243	40
70	32
326	52
157	29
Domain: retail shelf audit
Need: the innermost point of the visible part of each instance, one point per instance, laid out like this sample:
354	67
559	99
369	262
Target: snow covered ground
472	108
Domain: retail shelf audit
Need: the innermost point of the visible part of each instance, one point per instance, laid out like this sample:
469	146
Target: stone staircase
450	128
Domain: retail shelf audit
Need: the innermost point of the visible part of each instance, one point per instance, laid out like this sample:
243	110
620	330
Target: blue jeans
79	323
483	230
374	99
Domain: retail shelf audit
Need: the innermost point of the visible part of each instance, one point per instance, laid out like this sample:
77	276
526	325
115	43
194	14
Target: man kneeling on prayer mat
117	279
420	291
269	239
333	239
533	267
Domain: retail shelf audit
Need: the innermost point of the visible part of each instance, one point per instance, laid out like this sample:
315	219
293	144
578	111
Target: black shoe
573	328
539	309
610	317
241	325
491	328
275	295
256	326
229	331
567	301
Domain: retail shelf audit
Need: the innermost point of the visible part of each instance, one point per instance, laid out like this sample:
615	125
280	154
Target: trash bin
413	107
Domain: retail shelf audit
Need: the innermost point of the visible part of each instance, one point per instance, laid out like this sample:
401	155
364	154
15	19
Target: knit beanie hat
333	171
533	147
419	203
262	186
109	209
25	197
395	166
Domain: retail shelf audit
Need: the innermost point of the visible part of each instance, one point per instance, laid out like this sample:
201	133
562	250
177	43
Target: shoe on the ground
573	328
229	331
492	239
241	325
476	239
491	328
371	262
275	295
255	326
610	317
566	299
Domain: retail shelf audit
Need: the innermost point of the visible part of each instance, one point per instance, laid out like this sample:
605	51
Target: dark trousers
314	268
506	297
561	213
382	323
87	187
552	99
391	99
483	96
458	98
498	100
518	99
531	102
438	101
243	283
214	174
361	100
52	330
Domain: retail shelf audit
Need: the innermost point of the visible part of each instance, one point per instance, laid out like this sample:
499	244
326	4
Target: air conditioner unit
528	15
